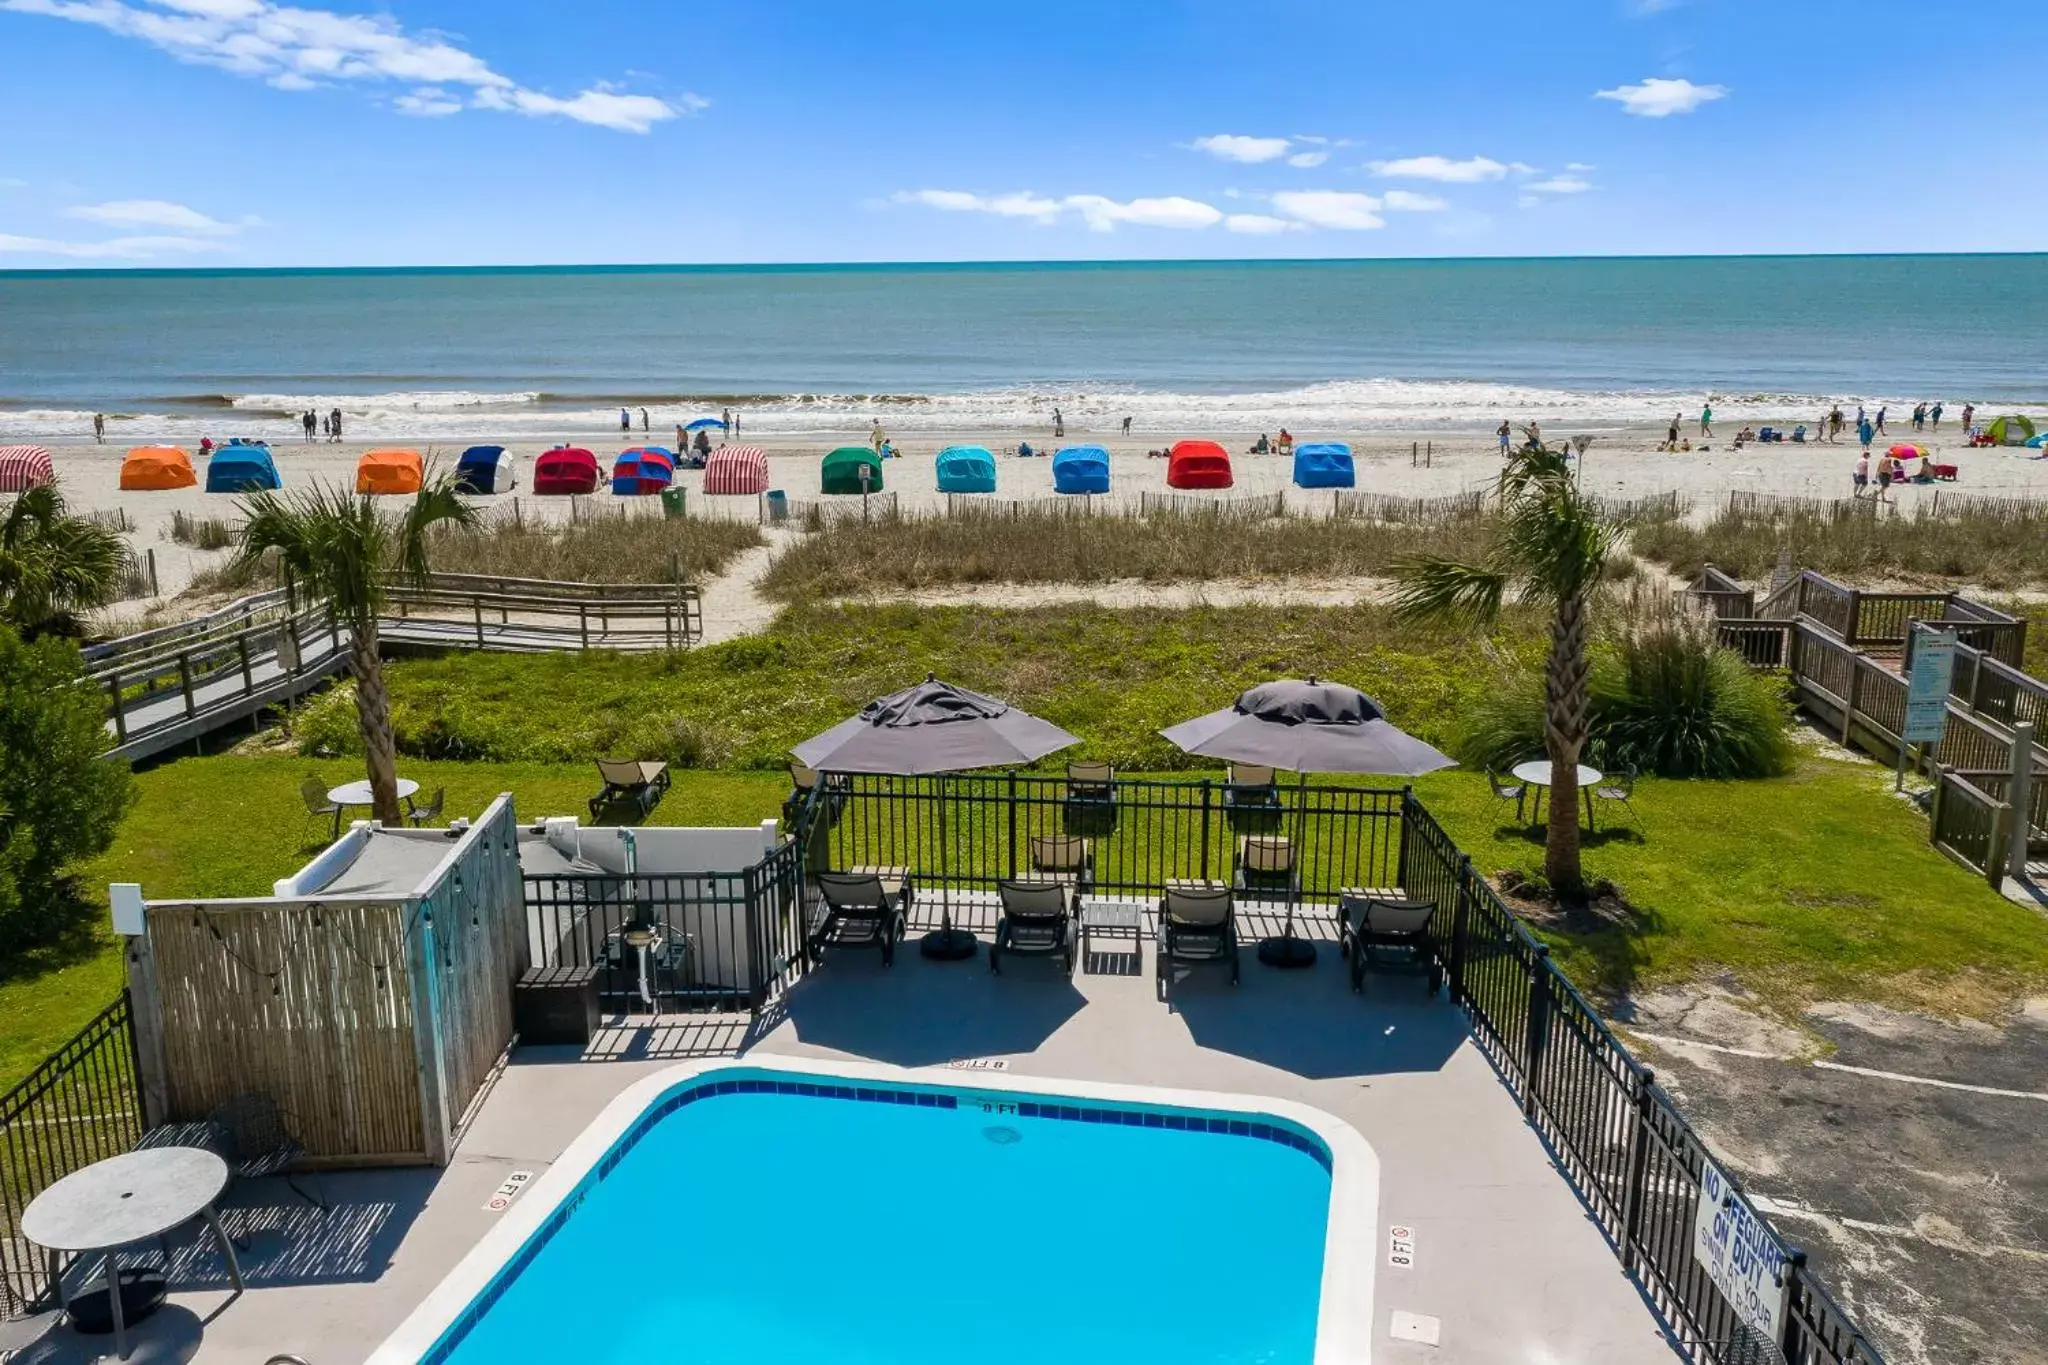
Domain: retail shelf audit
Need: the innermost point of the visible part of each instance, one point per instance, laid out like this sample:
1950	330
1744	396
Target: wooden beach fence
373	1022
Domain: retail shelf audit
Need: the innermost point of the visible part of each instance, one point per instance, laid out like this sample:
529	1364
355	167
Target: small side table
111	1204
1124	915
555	1005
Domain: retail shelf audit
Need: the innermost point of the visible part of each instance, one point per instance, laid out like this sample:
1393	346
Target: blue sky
246	133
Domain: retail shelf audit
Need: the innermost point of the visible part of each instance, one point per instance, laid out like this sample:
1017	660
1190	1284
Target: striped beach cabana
736	469
25	467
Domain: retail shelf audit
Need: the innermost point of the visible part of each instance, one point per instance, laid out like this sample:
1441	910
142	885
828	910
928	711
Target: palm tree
52	563
342	547
1552	550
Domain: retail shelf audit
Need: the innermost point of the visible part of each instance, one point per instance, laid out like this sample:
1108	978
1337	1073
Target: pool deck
1508	1266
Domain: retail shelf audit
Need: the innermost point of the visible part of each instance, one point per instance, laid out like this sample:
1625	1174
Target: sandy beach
1620	463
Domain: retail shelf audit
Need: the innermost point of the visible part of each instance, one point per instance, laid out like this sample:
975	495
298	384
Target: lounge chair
1265	866
803	782
1064	857
641	781
314	793
1371	923
425	812
863	909
1505	791
1038	917
1093	783
1196	925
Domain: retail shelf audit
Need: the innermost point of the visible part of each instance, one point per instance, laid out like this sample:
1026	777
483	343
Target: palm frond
438	504
1432	588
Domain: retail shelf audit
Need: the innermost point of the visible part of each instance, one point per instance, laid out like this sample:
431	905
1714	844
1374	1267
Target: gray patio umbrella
933	728
1306	726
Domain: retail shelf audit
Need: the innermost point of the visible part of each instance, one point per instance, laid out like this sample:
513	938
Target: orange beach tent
389	471
153	468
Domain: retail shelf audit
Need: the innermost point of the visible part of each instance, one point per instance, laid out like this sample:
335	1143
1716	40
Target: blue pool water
769	1227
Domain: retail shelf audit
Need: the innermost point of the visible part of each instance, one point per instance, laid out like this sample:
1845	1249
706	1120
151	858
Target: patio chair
803	781
426	812
1065	857
1093	783
641	781
863	909
249	1133
1619	787
1196	925
1038	918
1265	865
313	792
1250	787
1372	923
1505	791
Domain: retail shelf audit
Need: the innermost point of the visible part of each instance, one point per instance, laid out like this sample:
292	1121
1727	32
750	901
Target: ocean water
791	1230
1327	346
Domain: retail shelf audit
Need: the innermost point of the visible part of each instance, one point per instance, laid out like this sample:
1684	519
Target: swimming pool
794	1211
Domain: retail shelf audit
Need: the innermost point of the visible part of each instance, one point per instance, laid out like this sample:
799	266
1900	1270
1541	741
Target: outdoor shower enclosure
370	997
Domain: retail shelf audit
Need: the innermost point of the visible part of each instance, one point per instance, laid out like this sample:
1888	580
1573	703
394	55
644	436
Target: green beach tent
2011	431
841	471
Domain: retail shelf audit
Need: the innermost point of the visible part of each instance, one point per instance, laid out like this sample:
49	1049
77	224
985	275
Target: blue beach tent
1324	464
485	469
1081	469
241	469
966	469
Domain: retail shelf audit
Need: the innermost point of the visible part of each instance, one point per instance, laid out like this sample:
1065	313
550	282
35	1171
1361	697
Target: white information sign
1934	664
1740	1255
502	1197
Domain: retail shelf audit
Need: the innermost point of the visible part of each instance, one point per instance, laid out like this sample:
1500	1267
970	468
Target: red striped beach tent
736	469
25	467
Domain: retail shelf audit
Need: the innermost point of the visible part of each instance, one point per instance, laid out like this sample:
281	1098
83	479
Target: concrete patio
1508	1266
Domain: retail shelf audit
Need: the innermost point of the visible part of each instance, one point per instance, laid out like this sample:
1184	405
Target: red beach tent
1198	464
24	467
566	469
736	469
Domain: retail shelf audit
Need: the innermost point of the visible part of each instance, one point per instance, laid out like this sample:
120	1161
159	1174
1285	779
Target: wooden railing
1971	825
536	614
1726	597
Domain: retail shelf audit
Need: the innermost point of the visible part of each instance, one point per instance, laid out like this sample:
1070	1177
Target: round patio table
358	794
1536	772
111	1204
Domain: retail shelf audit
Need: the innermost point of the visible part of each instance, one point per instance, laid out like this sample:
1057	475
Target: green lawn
1816	886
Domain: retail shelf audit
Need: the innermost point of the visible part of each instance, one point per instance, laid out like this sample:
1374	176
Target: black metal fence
1615	1133
82	1105
665	943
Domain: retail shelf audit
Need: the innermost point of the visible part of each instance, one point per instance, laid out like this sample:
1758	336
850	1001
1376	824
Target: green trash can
778	505
673	501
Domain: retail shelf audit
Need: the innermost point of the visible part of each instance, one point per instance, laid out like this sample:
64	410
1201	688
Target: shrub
1667	700
59	800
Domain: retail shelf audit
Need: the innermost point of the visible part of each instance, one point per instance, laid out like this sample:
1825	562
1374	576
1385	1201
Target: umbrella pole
945	943
1286	951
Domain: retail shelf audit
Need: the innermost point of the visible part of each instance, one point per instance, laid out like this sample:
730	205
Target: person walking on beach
1059	424
1127	426
625	420
1671	433
643	420
99	428
1880	419
1707	419
1859	482
308	422
1865	433
334	424
1969	411
1934	414
682	441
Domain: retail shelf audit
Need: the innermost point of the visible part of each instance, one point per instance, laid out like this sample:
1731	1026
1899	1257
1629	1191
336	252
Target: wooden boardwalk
175	685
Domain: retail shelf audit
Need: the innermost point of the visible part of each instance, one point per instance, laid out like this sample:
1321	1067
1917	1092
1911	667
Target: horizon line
717	267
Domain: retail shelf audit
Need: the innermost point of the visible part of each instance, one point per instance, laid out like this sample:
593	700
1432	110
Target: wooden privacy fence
371	1020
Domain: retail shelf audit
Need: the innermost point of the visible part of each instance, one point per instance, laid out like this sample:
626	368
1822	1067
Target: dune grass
1996	543
902	553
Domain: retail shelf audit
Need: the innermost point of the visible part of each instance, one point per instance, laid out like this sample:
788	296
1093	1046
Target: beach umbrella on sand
1907	452
703	423
1306	726
929	729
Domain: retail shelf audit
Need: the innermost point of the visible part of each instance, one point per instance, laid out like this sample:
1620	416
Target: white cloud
1308	160
1470	171
1238	147
1659	97
300	49
118	248
1408	201
8	182
1260	224
1022	204
1580	166
429	101
1558	184
1344	210
1171	211
152	213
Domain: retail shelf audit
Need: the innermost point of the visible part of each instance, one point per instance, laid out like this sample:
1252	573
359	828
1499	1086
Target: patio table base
948	945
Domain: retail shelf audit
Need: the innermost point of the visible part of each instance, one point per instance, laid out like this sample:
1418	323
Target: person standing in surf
1707	418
